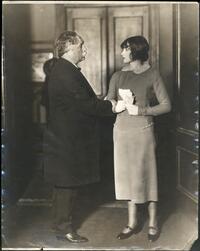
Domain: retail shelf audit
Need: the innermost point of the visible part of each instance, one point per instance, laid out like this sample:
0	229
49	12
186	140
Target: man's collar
72	63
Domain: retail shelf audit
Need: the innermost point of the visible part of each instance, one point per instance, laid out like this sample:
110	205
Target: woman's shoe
153	237
130	232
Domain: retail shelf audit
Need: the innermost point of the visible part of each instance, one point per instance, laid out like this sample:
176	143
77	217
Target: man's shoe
75	238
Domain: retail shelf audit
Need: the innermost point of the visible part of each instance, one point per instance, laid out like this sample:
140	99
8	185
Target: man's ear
68	46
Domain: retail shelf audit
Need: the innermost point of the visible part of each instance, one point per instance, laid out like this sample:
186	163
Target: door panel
187	172
124	22
121	33
188	65
94	68
187	99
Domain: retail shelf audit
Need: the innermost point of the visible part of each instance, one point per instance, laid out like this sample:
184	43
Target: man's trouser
63	204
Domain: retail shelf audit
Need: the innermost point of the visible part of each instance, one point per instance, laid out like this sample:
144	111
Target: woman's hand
119	107
132	109
113	102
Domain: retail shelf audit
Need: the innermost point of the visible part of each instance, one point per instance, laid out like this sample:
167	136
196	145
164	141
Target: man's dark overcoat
71	142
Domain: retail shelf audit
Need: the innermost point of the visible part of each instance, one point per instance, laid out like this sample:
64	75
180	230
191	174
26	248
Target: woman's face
126	55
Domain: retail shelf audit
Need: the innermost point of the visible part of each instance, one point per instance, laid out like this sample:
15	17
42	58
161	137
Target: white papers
127	96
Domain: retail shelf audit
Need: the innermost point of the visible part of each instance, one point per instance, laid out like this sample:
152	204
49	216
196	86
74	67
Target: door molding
181	187
186	148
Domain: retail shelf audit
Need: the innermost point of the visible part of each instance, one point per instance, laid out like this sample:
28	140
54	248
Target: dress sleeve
164	105
112	92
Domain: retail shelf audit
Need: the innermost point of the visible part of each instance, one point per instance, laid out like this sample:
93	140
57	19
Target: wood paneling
121	33
188	172
186	92
187	139
189	51
42	22
90	24
124	22
166	46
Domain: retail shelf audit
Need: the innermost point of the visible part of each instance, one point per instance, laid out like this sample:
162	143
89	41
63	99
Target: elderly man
72	138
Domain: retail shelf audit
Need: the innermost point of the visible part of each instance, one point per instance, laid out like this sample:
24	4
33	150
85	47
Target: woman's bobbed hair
139	48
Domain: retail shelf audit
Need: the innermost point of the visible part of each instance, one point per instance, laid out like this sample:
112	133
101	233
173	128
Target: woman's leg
152	208
132	214
132	226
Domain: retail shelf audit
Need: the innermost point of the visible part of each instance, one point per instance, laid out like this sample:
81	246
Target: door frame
182	135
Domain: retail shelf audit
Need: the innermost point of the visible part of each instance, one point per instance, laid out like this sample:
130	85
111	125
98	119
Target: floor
98	217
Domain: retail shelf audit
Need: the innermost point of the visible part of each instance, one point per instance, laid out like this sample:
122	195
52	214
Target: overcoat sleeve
164	105
76	96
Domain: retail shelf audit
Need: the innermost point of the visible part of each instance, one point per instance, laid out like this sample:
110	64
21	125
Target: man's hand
119	107
132	109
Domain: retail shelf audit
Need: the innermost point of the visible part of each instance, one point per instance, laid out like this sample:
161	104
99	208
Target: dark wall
18	100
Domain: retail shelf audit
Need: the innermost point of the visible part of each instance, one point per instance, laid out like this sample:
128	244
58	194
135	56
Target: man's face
79	51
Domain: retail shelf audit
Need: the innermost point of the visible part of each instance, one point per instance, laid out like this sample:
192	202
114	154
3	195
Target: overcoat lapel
81	78
86	85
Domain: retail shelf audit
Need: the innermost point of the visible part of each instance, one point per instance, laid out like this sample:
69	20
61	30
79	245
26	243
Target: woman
134	143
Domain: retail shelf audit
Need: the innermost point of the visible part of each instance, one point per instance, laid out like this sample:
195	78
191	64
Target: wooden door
103	29
124	22
90	23
187	99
